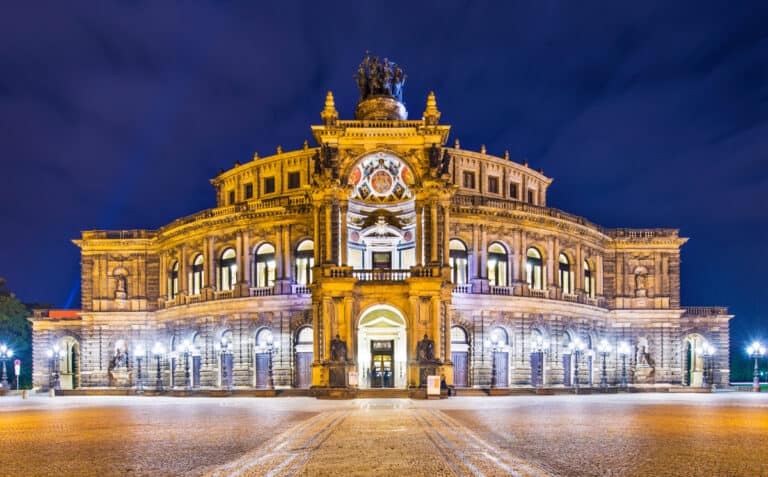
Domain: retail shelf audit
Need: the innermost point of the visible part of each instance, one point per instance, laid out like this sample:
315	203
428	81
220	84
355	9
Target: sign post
17	371
433	387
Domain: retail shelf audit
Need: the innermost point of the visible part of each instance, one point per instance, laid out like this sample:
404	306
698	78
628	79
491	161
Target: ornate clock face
381	177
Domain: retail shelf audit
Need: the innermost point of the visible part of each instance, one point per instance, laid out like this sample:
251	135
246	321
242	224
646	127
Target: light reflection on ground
638	434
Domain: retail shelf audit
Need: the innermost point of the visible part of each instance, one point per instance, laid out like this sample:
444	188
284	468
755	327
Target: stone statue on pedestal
338	349
425	350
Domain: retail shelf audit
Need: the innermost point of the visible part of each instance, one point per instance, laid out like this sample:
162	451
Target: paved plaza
639	434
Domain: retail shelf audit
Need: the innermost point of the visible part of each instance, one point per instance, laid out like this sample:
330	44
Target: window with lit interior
264	266
196	276
228	270
458	262
173	281
589	285
533	269
564	274
497	265
305	260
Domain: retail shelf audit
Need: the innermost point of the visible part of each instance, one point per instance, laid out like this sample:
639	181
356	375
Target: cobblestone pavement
379	437
629	435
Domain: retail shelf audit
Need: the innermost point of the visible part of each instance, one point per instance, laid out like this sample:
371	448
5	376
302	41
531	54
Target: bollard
24	394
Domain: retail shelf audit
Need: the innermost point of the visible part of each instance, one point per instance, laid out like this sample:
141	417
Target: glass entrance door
382	370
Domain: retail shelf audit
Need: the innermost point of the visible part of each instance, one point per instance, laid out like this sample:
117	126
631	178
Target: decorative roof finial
506	154
279	149
482	149
306	144
457	144
329	115
255	156
431	114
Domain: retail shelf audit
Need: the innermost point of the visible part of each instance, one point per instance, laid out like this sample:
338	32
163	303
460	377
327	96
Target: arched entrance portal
381	348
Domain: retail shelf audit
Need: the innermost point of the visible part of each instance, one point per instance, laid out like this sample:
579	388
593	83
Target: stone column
446	233
163	275
343	232
419	241
328	234
433	233
183	271
287	254
316	234
247	259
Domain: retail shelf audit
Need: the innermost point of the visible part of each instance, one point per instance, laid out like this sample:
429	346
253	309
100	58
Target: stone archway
382	351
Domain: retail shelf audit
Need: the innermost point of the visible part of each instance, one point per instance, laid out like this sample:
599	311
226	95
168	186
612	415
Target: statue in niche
338	349
641	282
120	287
425	349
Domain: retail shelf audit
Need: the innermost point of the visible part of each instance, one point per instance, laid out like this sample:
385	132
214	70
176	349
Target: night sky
117	115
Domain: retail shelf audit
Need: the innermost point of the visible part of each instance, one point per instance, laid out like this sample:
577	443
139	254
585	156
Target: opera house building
378	255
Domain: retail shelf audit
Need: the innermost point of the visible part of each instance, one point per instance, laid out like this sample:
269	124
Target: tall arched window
497	265
228	270
305	260
264	266
589	285
196	277
564	274
533	269
458	262
173	281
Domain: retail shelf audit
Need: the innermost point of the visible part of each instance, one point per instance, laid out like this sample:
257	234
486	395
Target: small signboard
433	385
17	367
353	381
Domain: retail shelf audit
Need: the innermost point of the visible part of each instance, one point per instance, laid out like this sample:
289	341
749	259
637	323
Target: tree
16	333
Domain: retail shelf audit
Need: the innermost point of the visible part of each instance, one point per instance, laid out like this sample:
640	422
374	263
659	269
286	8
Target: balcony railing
261	291
381	275
706	310
300	290
464	288
538	293
501	290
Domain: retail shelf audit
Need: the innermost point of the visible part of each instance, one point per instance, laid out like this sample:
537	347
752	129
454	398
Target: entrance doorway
381	348
382	371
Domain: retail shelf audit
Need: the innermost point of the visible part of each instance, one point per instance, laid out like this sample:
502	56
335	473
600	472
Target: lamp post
225	355
624	352
158	350
54	357
139	351
186	350
604	348
539	346
577	347
707	351
756	351
272	349
495	346
6	353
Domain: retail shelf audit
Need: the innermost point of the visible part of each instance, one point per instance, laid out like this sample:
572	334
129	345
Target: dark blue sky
115	115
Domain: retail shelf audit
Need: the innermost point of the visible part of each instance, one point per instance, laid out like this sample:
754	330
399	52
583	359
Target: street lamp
139	351
6	353
55	356
186	350
272	349
756	351
577	347
495	343
707	351
604	348
225	353
624	352
158	350
539	346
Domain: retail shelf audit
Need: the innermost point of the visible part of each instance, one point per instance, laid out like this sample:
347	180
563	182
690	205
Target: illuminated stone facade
382	235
